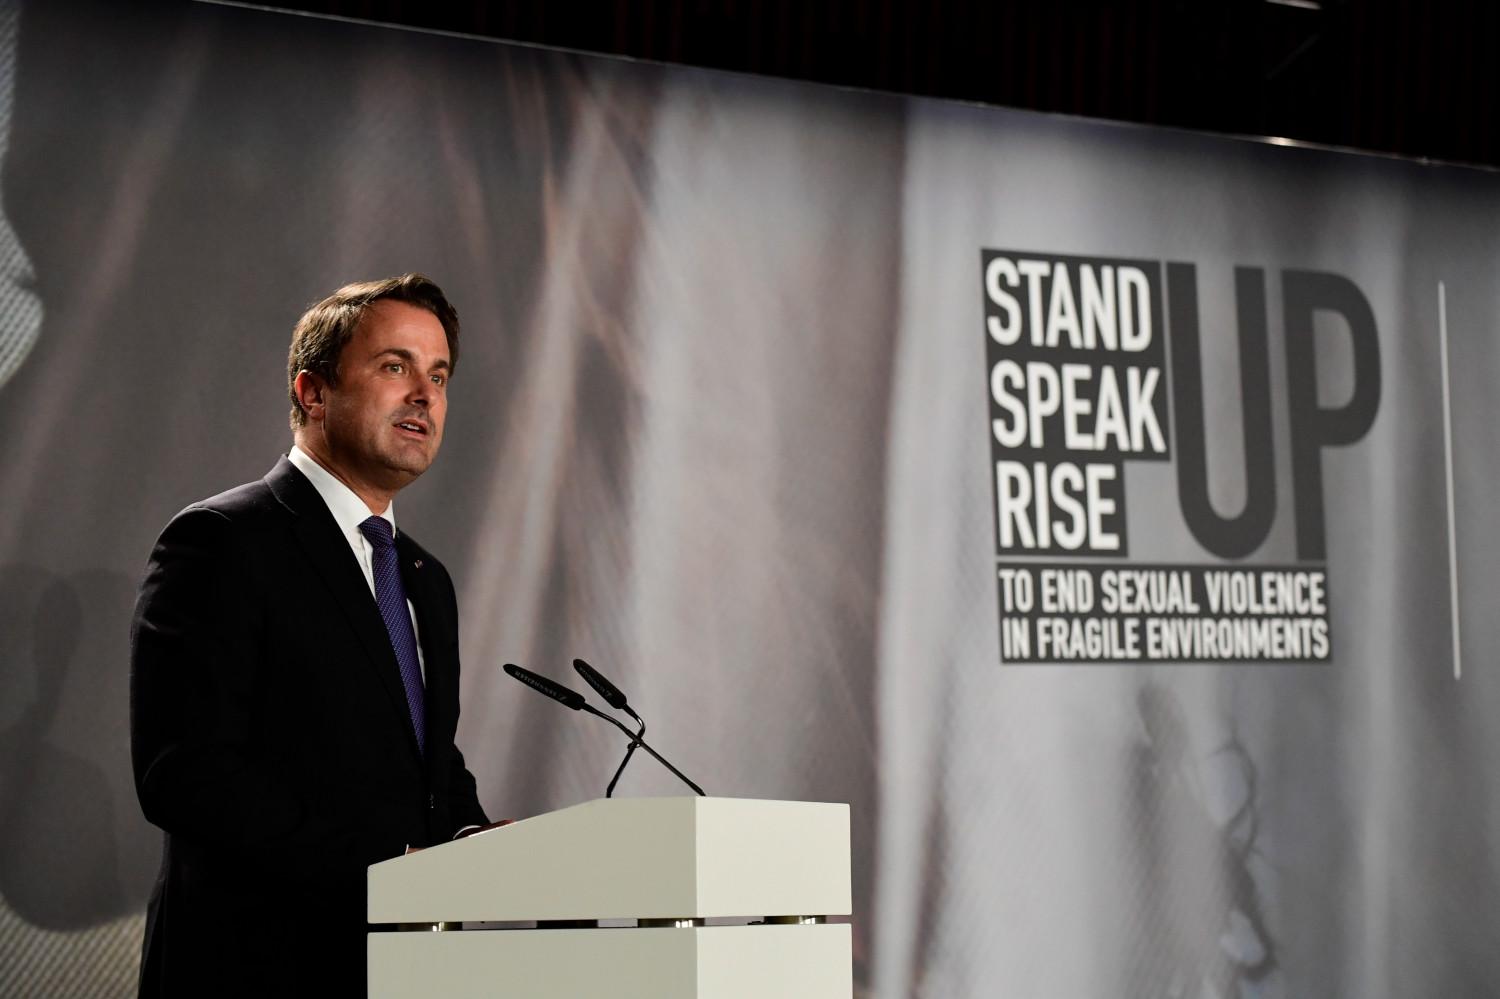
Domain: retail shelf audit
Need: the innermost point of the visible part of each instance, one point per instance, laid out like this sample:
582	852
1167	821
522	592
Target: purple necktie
390	595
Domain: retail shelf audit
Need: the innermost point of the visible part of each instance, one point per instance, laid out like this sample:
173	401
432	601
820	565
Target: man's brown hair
319	336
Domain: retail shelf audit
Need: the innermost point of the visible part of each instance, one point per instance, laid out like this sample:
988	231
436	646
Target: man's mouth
412	427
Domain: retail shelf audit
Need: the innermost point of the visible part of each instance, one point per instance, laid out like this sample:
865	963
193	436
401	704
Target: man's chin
409	466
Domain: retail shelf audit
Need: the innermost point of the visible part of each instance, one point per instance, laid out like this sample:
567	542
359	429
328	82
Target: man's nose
421	391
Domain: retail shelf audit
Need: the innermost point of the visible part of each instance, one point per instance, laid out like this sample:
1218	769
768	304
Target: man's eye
395	366
439	380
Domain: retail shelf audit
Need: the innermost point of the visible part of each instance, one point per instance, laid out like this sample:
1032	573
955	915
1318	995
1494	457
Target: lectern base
704	962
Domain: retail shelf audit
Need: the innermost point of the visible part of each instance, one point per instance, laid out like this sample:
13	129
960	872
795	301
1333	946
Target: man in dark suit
294	670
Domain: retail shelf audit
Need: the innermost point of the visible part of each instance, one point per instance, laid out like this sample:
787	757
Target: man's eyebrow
411	358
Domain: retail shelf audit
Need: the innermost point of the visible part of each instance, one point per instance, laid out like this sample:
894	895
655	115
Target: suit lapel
330	555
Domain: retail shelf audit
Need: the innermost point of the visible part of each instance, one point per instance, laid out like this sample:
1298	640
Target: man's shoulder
247	505
249	508
249	499
245	523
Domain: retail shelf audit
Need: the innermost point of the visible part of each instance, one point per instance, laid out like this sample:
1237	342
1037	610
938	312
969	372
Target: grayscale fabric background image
723	428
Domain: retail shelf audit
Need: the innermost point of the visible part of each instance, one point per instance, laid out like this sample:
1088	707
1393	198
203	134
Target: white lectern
720	898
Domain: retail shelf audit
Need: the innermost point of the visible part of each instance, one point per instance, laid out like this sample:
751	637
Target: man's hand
471	830
466	831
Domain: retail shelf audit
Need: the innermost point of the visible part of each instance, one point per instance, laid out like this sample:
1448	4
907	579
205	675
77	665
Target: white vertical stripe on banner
1458	670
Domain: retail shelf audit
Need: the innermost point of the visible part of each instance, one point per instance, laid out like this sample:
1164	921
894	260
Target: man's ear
310	389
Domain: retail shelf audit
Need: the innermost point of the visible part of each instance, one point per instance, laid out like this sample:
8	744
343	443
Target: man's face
383	421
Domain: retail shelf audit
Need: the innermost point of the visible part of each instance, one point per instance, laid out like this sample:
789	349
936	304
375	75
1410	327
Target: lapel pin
417	564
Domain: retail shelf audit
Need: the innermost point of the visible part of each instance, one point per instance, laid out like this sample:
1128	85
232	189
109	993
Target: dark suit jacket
272	742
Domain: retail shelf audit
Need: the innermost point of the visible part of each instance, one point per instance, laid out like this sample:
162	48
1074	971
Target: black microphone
542	685
605	689
574	700
616	699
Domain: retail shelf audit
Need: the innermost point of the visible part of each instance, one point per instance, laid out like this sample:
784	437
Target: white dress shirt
349	511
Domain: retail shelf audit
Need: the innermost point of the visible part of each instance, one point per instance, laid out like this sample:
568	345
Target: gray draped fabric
720	428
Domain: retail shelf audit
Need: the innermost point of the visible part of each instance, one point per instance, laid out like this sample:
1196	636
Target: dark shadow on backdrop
74	850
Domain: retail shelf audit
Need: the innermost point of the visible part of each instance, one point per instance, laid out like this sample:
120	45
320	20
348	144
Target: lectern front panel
713	962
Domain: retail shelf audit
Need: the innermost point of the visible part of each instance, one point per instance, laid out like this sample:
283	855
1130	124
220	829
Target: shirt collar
349	511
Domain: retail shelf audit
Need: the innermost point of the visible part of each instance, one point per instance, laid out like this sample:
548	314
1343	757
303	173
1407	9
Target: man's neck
315	446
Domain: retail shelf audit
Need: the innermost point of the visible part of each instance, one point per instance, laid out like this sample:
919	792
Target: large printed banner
1104	513
1078	385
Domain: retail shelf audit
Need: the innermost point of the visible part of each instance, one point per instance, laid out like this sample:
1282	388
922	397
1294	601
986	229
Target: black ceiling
1415	79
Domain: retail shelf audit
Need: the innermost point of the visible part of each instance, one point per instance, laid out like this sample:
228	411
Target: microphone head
606	690
542	685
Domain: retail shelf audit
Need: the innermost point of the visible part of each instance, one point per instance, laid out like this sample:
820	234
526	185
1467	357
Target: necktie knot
377	530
